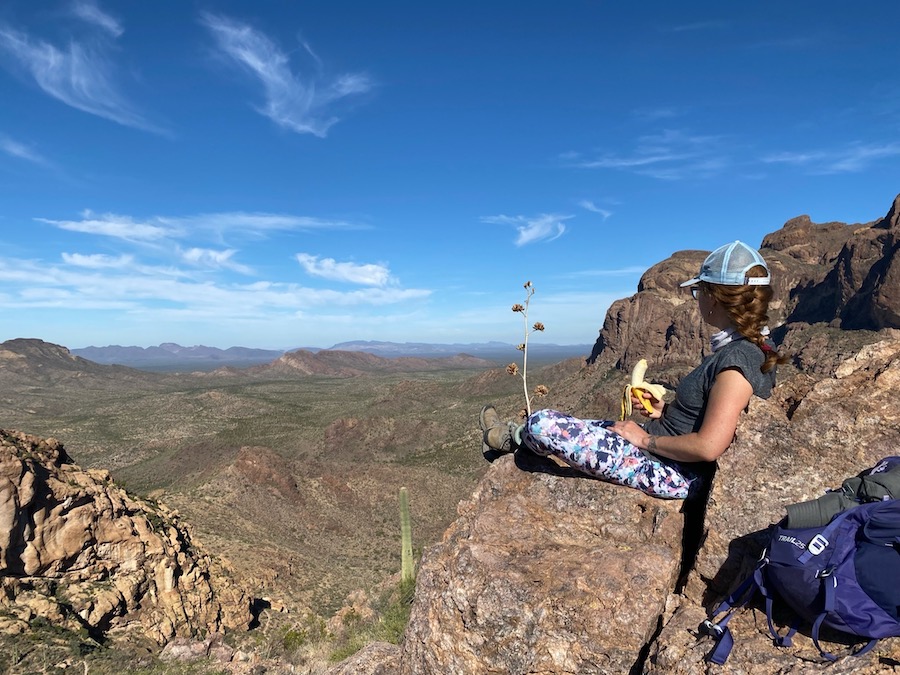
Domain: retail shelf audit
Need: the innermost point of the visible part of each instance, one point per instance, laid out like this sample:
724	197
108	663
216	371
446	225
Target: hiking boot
496	434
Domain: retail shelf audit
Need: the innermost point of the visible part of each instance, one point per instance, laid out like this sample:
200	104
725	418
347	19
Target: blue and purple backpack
843	573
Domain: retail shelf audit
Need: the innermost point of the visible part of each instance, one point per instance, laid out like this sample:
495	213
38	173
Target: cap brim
691	282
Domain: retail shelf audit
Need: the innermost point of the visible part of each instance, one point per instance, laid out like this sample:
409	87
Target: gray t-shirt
685	413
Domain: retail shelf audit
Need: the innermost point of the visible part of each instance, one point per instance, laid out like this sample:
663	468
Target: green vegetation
292	479
392	610
295	482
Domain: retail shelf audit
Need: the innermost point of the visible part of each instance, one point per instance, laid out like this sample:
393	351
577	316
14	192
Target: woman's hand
657	404
632	432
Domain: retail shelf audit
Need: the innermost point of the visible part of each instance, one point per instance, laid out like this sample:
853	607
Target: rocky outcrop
659	323
845	275
79	552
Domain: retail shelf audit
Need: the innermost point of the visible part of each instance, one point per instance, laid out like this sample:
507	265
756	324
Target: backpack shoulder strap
745	592
829	583
719	629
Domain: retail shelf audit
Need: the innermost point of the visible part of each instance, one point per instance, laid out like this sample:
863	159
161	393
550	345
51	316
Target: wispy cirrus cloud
21	151
214	259
91	13
156	291
112	225
98	261
256	222
614	272
658	113
299	103
165	272
236	225
669	155
329	268
850	159
81	74
697	26
588	205
543	227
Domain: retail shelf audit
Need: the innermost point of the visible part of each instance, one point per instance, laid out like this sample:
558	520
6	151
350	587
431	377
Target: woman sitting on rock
667	455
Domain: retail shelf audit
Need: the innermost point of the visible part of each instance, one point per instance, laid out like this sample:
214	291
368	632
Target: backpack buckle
711	629
825	573
817	544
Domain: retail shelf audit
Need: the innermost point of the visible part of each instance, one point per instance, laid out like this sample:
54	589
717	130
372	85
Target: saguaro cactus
407	573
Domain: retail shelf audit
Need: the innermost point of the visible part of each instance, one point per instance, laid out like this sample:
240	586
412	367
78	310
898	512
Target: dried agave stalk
513	368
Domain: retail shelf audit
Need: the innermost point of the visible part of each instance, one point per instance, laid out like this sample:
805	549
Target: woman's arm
728	397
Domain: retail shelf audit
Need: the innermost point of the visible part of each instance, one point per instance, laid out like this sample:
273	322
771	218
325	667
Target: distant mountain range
171	356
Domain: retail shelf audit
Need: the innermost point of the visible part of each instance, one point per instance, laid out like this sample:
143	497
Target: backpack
840	569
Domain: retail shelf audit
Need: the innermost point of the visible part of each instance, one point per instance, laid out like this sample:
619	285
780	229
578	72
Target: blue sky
281	174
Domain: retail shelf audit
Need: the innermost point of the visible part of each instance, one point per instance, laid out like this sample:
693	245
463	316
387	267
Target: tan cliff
77	551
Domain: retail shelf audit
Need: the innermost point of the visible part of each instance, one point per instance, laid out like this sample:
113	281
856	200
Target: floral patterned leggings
587	445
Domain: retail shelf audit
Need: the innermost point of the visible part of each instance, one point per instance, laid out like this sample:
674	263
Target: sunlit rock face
78	551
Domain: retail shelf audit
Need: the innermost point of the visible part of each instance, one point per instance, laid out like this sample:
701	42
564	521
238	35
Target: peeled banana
639	388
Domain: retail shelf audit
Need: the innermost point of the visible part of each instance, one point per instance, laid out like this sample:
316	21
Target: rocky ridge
337	363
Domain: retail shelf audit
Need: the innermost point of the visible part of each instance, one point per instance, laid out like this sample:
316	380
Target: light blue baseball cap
728	265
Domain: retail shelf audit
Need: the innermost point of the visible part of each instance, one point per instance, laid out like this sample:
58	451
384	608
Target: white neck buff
723	337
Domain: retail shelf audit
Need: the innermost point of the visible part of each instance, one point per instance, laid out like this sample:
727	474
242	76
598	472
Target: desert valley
285	477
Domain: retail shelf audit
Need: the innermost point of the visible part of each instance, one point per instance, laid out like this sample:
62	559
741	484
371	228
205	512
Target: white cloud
80	75
298	103
669	155
31	284
328	268
112	225
656	114
620	272
166	277
588	205
16	149
210	226
851	159
98	260
376	297
255	223
90	12
698	26
214	259
543	227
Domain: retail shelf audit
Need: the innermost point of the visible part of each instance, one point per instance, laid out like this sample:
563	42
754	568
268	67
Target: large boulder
544	571
829	273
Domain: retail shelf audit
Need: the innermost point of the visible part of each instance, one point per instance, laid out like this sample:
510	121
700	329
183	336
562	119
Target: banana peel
639	387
